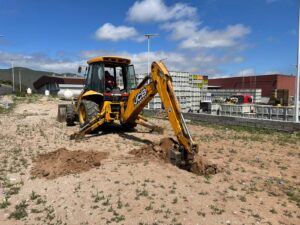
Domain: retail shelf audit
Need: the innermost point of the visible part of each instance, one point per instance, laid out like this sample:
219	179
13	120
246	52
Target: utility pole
148	38
13	75
20	82
298	75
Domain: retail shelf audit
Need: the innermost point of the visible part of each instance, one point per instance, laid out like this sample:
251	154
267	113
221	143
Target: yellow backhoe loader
111	94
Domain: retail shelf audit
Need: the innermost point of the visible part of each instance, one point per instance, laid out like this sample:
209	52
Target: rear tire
70	115
87	111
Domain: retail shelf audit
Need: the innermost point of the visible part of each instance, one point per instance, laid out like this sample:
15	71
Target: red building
267	83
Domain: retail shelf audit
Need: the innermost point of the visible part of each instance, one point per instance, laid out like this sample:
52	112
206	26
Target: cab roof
109	59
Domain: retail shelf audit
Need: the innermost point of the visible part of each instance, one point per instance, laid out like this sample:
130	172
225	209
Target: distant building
267	83
51	83
4	90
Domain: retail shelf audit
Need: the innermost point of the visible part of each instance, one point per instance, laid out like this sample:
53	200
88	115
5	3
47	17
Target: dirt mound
162	151
62	162
156	151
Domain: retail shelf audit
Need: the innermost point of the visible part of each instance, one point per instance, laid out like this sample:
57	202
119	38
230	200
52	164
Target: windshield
120	77
106	77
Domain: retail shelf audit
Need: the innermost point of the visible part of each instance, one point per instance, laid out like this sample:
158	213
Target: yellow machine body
126	106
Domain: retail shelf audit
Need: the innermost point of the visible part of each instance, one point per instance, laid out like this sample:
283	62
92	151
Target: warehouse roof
267	83
56	79
252	75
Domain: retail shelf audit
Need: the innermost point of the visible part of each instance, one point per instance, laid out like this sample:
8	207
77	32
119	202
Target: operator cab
110	76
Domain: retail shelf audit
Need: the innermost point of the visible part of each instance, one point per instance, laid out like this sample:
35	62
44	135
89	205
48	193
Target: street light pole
298	75
20	81
13	75
148	38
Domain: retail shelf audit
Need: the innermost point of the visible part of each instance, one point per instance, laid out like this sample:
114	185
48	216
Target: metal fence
256	111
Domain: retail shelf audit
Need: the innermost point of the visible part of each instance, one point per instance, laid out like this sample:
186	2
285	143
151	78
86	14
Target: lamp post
13	75
20	81
148	38
298	75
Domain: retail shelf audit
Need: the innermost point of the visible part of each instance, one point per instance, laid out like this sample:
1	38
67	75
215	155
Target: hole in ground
161	151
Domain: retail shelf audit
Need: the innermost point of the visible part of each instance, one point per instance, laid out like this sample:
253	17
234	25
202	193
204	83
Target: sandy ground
259	184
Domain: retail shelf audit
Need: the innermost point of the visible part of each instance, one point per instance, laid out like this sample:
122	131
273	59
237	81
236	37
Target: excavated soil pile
62	162
202	167
161	151
155	151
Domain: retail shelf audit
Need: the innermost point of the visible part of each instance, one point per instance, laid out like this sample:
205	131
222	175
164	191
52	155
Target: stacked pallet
180	81
280	97
198	83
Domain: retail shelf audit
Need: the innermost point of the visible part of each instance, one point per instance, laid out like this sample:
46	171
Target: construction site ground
46	178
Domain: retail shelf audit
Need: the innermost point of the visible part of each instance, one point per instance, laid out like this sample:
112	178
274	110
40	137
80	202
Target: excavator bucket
174	153
61	113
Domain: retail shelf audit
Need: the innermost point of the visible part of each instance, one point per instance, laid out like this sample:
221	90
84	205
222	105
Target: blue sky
214	37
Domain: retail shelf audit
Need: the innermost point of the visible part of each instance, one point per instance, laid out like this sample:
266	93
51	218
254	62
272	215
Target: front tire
87	111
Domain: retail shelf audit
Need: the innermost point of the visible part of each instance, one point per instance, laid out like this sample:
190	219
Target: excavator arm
160	82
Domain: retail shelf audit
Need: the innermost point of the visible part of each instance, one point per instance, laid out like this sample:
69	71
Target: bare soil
259	181
63	162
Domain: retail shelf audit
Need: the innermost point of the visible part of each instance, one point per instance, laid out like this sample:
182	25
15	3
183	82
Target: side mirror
79	69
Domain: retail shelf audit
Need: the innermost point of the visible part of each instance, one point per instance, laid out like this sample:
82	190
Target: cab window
97	78
131	80
88	79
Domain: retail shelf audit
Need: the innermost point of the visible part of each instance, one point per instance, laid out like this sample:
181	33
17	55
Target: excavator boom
160	82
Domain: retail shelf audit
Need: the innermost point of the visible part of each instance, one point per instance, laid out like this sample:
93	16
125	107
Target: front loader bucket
61	113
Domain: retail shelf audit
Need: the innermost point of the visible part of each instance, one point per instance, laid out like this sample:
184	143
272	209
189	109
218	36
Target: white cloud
203	63
193	37
206	38
181	29
115	33
140	59
157	10
241	73
39	62
271	72
180	21
246	72
238	59
87	54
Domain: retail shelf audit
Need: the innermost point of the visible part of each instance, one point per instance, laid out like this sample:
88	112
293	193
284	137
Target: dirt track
259	184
